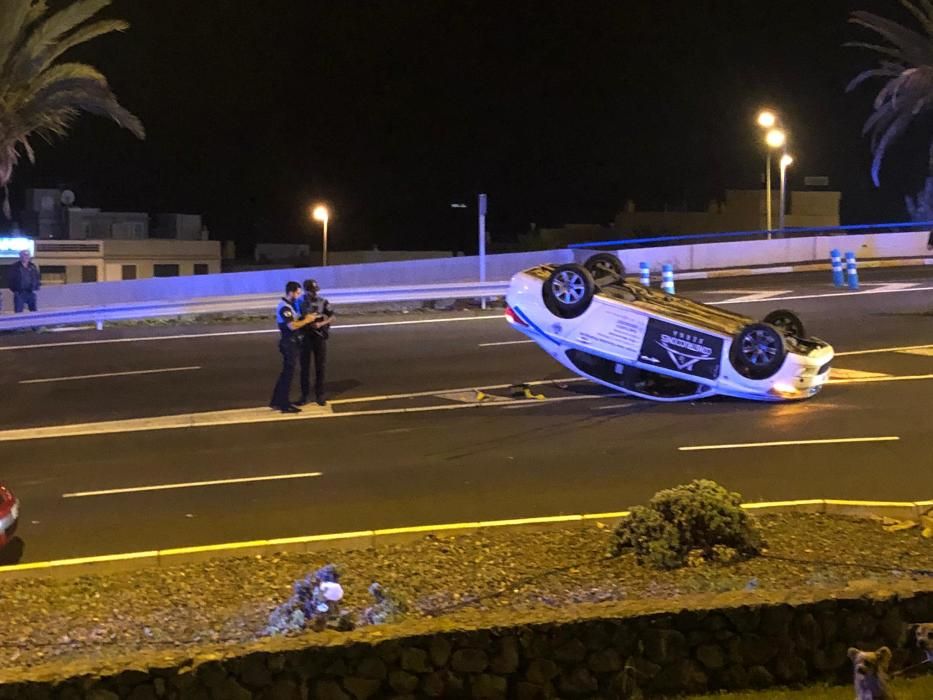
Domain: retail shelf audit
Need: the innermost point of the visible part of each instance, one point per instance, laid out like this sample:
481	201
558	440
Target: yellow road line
906	378
902	348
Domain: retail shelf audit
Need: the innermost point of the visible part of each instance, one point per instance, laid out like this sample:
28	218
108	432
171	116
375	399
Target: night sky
392	109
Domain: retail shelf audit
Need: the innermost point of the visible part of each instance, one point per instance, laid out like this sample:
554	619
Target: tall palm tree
906	64
41	95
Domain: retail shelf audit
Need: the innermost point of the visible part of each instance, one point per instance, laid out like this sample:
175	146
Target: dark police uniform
314	341
289	346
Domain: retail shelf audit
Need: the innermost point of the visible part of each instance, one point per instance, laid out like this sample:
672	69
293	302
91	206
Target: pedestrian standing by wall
290	325
24	281
314	341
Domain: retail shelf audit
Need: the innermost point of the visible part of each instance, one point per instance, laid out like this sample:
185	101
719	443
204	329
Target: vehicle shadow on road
13	552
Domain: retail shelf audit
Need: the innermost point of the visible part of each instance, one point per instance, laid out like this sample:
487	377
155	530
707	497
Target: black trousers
290	350
314	344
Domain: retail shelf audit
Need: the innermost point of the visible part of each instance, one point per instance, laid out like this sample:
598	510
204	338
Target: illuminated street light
776	138
786	160
766	119
322	214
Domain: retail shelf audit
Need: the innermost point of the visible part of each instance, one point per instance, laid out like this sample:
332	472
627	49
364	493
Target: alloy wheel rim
759	347
568	287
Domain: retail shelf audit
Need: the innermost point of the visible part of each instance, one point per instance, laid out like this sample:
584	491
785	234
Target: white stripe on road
109	374
785	443
905	378
824	296
192	484
903	348
507	342
220	334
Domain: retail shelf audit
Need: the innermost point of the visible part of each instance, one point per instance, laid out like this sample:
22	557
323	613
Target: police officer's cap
312	286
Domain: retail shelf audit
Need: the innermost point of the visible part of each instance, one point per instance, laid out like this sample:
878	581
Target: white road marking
784	443
756	296
192	484
903	348
219	334
109	374
906	378
242	417
507	342
460	390
834	294
840	373
889	286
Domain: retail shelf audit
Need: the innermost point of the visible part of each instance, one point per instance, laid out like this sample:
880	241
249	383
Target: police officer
314	340
290	325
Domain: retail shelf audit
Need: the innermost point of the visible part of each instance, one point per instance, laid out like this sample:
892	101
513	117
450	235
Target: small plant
315	605
697	520
386	608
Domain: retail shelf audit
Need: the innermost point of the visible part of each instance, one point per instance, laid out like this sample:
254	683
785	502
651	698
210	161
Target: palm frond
80	36
915	47
882	72
14	16
30	57
923	13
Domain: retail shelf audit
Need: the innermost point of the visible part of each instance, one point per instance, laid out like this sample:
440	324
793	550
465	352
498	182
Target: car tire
786	321
603	265
757	351
569	290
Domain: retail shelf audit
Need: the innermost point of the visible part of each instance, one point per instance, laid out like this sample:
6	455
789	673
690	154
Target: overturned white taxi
662	346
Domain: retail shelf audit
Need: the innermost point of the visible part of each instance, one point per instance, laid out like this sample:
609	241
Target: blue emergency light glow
10	246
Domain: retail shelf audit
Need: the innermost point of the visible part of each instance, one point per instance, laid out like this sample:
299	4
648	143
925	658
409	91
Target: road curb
363	539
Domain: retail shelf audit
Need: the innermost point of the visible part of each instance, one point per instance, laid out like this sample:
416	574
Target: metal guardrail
251	302
689	238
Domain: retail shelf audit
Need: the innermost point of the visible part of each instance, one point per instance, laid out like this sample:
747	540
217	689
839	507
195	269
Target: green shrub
698	519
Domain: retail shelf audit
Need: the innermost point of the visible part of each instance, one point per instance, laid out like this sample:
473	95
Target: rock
361	688
685	675
211	674
160	686
95	694
892	628
642	669
734	677
598	635
415	660
507	660
775	621
531	691
254	673
664	646
756	650
390	652
403	682
625	686
831	658
433	685
625	640
857	625
536	645
714	622
143	692
489	687
283	689
372	668
570	651
711	656
605	661
231	690
329	690
807	634
760	677
578	683
790	669
439	650
744	619
469	661
132	678
541	671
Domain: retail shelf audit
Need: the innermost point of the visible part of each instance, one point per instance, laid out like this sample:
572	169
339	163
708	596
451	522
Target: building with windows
77	244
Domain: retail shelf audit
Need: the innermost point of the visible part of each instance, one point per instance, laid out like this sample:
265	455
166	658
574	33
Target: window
129	272
53	274
89	273
164	270
201	269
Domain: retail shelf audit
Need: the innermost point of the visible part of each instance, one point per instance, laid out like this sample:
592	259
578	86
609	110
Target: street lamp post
786	160
321	214
775	138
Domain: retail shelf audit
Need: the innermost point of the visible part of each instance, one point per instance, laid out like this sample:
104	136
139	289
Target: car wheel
569	290
786	321
758	351
603	265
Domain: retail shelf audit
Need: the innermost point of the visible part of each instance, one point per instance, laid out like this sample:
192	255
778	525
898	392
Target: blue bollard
836	258
852	269
667	278
645	277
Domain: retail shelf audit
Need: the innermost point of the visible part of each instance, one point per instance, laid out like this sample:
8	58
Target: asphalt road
386	458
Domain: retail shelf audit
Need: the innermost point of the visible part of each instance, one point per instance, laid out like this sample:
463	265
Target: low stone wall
732	641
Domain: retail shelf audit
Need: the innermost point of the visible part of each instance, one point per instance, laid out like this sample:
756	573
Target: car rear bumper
8	524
